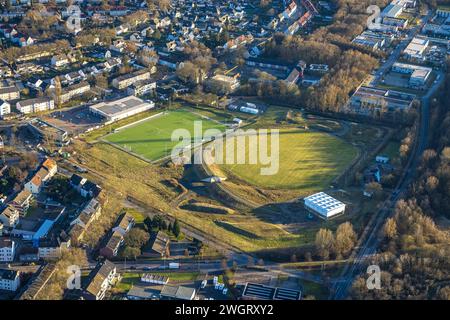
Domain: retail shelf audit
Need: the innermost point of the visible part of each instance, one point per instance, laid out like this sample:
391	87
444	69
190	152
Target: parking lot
75	120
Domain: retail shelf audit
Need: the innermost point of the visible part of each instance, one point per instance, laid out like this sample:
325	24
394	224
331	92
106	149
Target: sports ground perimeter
151	139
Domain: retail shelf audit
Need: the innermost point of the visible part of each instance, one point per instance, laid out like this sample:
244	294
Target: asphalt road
393	57
371	243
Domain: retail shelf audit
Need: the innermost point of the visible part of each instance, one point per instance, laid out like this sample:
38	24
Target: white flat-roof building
324	205
416	48
419	74
392	11
122	108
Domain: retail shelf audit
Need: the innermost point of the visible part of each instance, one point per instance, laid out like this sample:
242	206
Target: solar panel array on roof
259	291
325	201
121	108
110	108
132	103
324	204
287	294
262	292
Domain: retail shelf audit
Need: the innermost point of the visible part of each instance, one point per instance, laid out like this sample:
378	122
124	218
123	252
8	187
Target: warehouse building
122	108
324	205
419	74
367	100
416	48
392	11
256	291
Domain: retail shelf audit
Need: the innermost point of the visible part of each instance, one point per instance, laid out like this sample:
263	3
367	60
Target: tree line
415	252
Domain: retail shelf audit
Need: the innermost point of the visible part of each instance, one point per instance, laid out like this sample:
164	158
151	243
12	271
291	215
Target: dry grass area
126	175
54	290
122	175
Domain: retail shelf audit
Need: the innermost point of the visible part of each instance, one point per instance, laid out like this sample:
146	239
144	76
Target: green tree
176	228
131	252
136	238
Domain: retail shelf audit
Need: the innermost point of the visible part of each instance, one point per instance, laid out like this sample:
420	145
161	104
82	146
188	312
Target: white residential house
5	108
7	250
34	185
124	224
35	105
9	93
60	60
100	281
9	217
9	280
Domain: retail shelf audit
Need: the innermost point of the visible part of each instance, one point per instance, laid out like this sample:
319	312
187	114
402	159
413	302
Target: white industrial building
416	48
324	205
122	108
419	74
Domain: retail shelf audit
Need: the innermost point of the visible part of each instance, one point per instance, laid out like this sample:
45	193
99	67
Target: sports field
151	139
307	160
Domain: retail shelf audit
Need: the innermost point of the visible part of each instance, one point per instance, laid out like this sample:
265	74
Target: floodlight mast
2	145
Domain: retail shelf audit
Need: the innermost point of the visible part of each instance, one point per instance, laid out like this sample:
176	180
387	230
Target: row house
85	187
116	237
35	105
9	217
75	76
21	201
100	281
141	88
91	211
52	249
9	93
7	249
47	170
127	80
29	68
74	90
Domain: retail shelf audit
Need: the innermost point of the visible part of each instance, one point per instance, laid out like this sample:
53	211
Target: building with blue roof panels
392	11
42	232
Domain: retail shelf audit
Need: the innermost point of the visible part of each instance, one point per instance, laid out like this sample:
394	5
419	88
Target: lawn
307	160
391	150
151	139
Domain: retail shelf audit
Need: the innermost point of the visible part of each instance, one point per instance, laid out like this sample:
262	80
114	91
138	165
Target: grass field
151	139
307	160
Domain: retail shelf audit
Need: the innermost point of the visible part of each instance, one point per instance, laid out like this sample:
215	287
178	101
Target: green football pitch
151	139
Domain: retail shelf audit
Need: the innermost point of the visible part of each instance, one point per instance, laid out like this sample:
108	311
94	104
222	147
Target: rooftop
117	107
